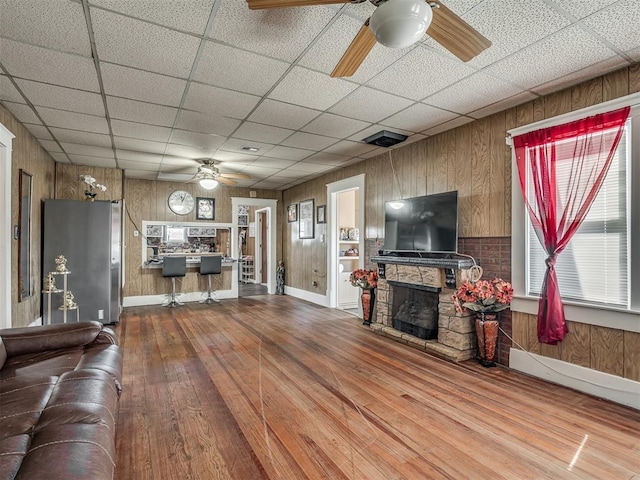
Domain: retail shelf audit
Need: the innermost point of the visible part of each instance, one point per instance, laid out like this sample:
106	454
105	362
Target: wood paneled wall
69	186
28	155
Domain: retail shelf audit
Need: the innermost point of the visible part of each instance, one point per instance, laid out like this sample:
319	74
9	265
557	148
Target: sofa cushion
12	451
35	366
3	353
22	402
19	341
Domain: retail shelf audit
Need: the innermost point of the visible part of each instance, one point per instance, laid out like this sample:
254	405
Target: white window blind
594	268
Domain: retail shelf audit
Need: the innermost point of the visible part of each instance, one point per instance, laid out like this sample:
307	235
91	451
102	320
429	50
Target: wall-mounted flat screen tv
422	224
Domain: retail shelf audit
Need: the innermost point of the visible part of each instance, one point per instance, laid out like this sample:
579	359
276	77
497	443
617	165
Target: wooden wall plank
632	356
577	345
534	345
634	78
464	180
481	179
615	84
557	103
586	94
499	159
519	330
607	350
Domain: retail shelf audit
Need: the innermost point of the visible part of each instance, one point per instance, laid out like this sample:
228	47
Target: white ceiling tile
223	156
236	145
219	101
555	56
618	24
374	153
42	94
141	112
288	153
349	148
146	86
369	105
73	120
512	26
174	177
140	130
8	91
60	26
501	105
336	126
311	89
308	141
373	129
202	123
50	146
83	138
420	73
257	170
456	122
141	166
139	145
281	33
186	15
89	150
282	114
228	67
22	112
186	164
262	133
157	49
194	139
326	158
580	8
38	131
60	157
417	118
189	152
273	162
93	161
129	155
470	94
139	174
307	167
49	66
325	54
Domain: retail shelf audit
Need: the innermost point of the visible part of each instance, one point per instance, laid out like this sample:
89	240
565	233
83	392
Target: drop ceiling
150	86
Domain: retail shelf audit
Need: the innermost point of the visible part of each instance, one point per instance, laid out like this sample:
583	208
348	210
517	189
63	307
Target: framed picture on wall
292	213
320	214
205	208
305	221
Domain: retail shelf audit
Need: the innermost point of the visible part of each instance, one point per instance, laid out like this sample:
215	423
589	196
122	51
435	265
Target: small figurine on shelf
61	264
68	301
280	278
50	283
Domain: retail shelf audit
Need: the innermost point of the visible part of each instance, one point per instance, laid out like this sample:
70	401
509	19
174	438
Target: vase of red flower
487	299
367	280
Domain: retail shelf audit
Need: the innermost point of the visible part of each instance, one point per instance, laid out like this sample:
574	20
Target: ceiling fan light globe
208	183
400	23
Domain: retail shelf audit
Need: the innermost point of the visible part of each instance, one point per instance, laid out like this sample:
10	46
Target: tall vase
368	298
487	332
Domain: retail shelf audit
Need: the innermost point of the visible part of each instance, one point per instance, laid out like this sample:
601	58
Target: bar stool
174	267
210	265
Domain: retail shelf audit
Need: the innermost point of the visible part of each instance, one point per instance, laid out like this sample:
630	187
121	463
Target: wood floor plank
271	387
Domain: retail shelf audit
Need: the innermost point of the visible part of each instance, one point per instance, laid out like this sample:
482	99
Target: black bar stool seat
210	265
174	267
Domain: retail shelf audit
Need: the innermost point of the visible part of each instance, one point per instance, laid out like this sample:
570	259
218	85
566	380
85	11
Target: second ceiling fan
398	24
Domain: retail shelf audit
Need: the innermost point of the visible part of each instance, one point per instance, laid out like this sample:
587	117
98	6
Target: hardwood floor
271	387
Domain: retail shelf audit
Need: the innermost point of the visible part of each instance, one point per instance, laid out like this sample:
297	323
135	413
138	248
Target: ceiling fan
208	175
398	24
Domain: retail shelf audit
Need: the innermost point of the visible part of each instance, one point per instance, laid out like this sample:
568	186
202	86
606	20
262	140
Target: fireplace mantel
454	263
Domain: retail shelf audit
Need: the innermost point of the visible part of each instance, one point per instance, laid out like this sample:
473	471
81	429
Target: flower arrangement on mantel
483	296
362	278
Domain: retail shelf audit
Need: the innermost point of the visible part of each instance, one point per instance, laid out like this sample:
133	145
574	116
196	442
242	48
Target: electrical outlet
100	314
314	284
136	233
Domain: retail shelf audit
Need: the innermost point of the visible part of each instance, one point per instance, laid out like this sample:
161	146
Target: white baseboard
143	300
308	296
36	323
600	384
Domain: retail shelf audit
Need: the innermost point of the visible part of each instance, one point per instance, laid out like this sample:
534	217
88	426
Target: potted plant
367	280
487	299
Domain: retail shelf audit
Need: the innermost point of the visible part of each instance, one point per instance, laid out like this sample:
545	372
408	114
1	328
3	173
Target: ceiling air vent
385	138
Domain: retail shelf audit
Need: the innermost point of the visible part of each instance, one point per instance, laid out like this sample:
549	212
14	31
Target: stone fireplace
414	305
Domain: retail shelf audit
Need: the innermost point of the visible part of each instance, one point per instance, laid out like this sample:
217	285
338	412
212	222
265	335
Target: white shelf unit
247	269
348	294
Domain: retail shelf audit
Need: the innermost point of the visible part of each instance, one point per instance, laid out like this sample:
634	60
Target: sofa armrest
18	341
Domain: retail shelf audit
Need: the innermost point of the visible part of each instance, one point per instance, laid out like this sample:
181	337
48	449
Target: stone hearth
456	332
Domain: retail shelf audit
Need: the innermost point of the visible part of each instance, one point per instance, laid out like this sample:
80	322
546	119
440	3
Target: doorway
346	230
6	138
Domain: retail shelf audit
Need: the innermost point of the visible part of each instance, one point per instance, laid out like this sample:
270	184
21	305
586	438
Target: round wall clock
181	202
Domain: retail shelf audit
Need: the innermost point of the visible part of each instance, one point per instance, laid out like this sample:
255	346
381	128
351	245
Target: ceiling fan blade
264	4
456	35
356	53
226	181
242	176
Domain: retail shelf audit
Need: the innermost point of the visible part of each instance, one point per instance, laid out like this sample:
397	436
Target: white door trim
6	138
333	189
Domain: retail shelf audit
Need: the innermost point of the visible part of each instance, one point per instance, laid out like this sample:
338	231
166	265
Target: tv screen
422	224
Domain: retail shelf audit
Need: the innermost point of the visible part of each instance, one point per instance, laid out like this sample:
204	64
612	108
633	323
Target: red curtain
585	147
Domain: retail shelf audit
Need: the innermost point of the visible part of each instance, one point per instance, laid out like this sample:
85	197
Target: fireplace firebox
415	310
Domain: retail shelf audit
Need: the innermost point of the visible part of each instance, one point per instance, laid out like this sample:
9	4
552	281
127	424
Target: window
594	268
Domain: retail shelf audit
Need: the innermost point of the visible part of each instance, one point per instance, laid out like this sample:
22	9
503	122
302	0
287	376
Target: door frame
333	189
6	138
259	226
270	207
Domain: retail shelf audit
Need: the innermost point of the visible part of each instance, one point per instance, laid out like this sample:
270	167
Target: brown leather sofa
59	391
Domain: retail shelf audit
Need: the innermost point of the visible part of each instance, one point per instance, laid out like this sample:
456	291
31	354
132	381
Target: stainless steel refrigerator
89	236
